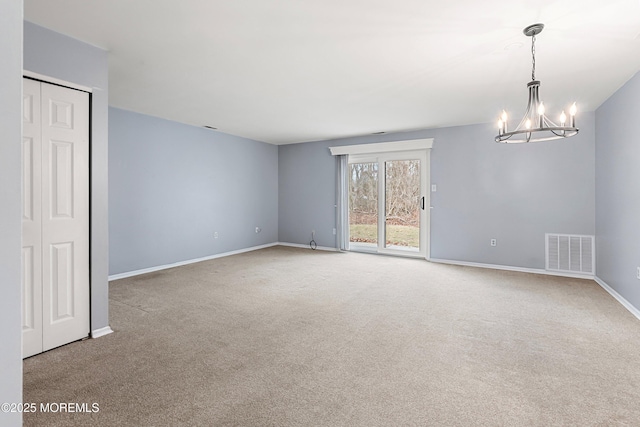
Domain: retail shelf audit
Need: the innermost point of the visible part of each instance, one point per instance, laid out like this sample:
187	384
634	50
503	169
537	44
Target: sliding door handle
422	202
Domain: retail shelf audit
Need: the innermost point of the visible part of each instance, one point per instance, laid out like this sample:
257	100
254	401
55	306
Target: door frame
381	159
399	148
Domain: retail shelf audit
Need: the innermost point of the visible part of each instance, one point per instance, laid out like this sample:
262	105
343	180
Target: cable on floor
312	244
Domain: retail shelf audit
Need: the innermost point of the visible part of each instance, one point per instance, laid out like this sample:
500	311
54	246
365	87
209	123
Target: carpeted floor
293	337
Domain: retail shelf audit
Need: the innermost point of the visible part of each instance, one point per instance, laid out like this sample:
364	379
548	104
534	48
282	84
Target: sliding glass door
387	203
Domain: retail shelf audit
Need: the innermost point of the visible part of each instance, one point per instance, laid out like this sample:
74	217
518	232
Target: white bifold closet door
55	216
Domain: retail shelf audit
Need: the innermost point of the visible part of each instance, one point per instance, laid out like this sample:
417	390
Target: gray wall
55	55
10	208
307	193
514	193
172	186
618	191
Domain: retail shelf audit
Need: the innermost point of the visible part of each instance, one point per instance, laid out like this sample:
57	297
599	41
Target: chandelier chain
533	56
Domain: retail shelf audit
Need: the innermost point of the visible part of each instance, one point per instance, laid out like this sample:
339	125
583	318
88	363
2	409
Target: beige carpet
293	337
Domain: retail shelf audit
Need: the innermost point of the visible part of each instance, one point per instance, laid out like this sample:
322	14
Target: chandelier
535	126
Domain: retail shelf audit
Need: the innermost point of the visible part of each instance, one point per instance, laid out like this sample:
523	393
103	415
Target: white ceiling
285	71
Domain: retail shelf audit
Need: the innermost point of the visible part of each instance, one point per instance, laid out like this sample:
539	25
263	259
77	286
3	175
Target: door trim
383	147
58	82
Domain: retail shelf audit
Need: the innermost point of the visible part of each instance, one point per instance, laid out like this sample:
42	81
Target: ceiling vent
570	253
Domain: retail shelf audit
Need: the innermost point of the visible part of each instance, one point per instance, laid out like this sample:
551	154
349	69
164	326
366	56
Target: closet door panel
65	215
31	220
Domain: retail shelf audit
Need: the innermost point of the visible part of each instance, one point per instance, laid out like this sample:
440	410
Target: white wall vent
570	253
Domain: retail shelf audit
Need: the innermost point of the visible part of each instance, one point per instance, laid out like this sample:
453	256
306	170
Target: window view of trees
363	203
402	199
403	203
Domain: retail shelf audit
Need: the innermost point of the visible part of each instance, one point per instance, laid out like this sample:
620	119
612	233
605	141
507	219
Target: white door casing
62	296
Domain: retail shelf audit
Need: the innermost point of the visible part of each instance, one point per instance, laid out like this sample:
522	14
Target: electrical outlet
215	235
494	242
258	229
334	231
638	274
434	188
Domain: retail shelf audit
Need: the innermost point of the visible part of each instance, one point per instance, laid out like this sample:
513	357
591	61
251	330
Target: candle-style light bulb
527	124
572	112
541	109
563	118
504	121
499	127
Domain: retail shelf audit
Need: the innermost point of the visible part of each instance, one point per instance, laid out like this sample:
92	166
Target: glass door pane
363	205
402	205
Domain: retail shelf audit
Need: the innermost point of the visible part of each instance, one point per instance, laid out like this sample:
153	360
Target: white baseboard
299	245
510	268
190	261
101	332
618	297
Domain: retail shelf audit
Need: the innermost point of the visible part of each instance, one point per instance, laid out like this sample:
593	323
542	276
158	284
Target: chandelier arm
529	135
549	124
503	138
527	112
562	133
566	132
535	104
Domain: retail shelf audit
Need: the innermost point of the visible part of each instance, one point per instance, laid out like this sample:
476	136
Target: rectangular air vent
570	253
